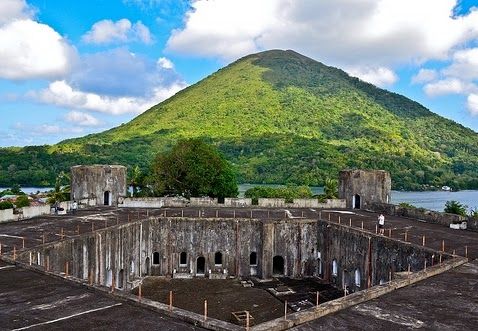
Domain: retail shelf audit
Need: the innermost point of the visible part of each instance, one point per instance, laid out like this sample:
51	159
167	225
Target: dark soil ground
227	296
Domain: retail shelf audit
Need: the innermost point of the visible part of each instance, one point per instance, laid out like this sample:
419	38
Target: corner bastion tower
99	184
360	188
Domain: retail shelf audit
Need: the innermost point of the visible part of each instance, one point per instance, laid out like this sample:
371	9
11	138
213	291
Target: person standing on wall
381	223
74	207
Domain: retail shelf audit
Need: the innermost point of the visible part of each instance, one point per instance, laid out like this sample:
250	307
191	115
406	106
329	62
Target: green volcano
279	117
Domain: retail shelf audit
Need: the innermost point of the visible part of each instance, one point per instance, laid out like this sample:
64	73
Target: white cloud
29	49
44	129
424	76
464	65
341	32
107	31
378	76
11	10
60	93
472	104
165	63
82	119
448	86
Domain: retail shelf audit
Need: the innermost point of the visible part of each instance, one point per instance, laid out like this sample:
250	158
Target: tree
193	168
331	190
22	201
455	207
62	189
135	179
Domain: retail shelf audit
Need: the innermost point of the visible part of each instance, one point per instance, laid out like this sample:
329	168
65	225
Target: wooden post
66	269
285	310
234	215
43	238
390	276
112	282
423	240
61	234
408	274
92	227
376	228
406	236
247	320
350	222
139	292
31	258
425	268
199	213
466	251
268	214
390	232
317	299
23	242
216	212
454	252
443	245
440	258
48	263
362	225
302	214
170	300
339	219
205	310
182	212
147	212
329	216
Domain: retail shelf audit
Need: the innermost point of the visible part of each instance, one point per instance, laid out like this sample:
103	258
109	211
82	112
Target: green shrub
406	205
455	207
22	201
5	205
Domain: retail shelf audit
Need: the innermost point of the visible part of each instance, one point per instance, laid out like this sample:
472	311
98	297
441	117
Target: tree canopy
193	168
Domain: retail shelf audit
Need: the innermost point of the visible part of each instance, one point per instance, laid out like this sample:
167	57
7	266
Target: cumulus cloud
472	104
45	129
60	93
165	63
107	31
11	10
29	49
424	76
342	32
447	86
378	76
82	119
464	65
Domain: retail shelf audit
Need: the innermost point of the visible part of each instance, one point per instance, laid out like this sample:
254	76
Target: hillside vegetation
279	117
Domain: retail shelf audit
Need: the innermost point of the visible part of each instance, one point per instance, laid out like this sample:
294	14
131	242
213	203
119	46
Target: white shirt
381	220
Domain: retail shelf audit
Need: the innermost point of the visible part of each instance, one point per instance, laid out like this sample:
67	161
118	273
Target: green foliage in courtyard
6	205
193	168
22	201
455	207
289	193
278	117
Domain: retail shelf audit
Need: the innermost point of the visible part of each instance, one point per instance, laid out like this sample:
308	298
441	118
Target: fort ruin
113	249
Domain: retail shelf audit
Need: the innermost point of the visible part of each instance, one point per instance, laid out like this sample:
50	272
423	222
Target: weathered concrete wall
6	215
428	216
104	183
372	256
472	224
360	188
121	254
237	202
301	203
229	202
32	211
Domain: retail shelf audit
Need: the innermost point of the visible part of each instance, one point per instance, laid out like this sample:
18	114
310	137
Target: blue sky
69	68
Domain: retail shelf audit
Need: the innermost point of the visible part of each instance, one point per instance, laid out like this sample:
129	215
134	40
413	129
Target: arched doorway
356	201
183	259
106	198
278	265
253	258
148	267
218	259
200	266
156	258
121	278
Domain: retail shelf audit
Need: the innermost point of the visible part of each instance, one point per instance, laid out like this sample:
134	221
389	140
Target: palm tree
61	192
331	188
